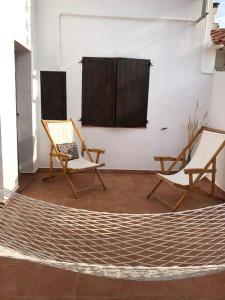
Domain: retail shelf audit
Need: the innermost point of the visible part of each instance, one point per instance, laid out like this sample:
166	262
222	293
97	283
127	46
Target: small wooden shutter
98	91
132	92
53	95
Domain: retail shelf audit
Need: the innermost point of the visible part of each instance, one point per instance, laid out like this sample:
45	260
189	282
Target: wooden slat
98	91
53	95
132	92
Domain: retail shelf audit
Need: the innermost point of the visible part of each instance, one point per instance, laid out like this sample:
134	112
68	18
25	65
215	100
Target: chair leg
51	174
212	194
154	189
72	186
51	166
100	178
181	200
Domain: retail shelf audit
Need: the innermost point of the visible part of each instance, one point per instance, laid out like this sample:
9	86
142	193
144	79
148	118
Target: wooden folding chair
203	162
60	132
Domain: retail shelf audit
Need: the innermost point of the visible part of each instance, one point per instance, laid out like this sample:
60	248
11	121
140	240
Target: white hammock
132	246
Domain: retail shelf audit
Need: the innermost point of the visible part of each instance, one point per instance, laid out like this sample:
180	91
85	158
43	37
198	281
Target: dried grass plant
193	125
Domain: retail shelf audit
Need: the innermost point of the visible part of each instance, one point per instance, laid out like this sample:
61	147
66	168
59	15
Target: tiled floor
126	193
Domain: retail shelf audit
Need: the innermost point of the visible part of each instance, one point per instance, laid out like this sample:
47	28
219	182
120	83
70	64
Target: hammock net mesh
131	246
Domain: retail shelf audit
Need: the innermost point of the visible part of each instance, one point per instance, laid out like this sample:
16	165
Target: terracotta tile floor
126	193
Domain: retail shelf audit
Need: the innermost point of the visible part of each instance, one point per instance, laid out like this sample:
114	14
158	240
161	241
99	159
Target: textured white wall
14	25
175	48
8	116
217	120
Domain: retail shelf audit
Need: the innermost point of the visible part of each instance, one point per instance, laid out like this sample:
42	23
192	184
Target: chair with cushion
65	139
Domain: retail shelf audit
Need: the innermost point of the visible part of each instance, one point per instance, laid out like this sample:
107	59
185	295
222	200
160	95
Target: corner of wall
209	51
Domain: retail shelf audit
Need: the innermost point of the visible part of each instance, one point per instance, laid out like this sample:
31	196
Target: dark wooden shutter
132	92
98	91
53	95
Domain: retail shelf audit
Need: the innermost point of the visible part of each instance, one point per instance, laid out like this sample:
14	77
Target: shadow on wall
26	154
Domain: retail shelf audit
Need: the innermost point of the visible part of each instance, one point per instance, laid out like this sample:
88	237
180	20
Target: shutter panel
132	92
98	91
53	95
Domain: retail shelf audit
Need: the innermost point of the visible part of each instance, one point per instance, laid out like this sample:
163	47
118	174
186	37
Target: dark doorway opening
25	140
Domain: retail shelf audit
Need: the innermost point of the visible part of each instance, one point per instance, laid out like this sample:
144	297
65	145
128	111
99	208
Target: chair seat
82	163
178	178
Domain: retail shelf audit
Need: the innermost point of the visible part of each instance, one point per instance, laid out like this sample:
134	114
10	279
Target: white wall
174	47
217	120
14	25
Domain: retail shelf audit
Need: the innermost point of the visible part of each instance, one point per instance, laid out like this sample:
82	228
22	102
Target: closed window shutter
53	95
98	91
132	92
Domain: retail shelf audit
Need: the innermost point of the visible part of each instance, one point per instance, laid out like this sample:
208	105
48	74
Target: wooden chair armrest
174	161
198	171
95	150
92	150
168	158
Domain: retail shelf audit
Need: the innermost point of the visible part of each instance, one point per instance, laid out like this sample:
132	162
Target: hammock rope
130	246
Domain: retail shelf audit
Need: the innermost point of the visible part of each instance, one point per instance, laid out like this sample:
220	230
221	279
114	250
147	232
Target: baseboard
122	171
109	171
25	183
219	189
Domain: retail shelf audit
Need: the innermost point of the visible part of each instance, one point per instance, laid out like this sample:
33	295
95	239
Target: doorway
25	139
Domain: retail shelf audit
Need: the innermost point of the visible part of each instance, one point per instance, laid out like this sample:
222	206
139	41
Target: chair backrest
210	143
61	132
